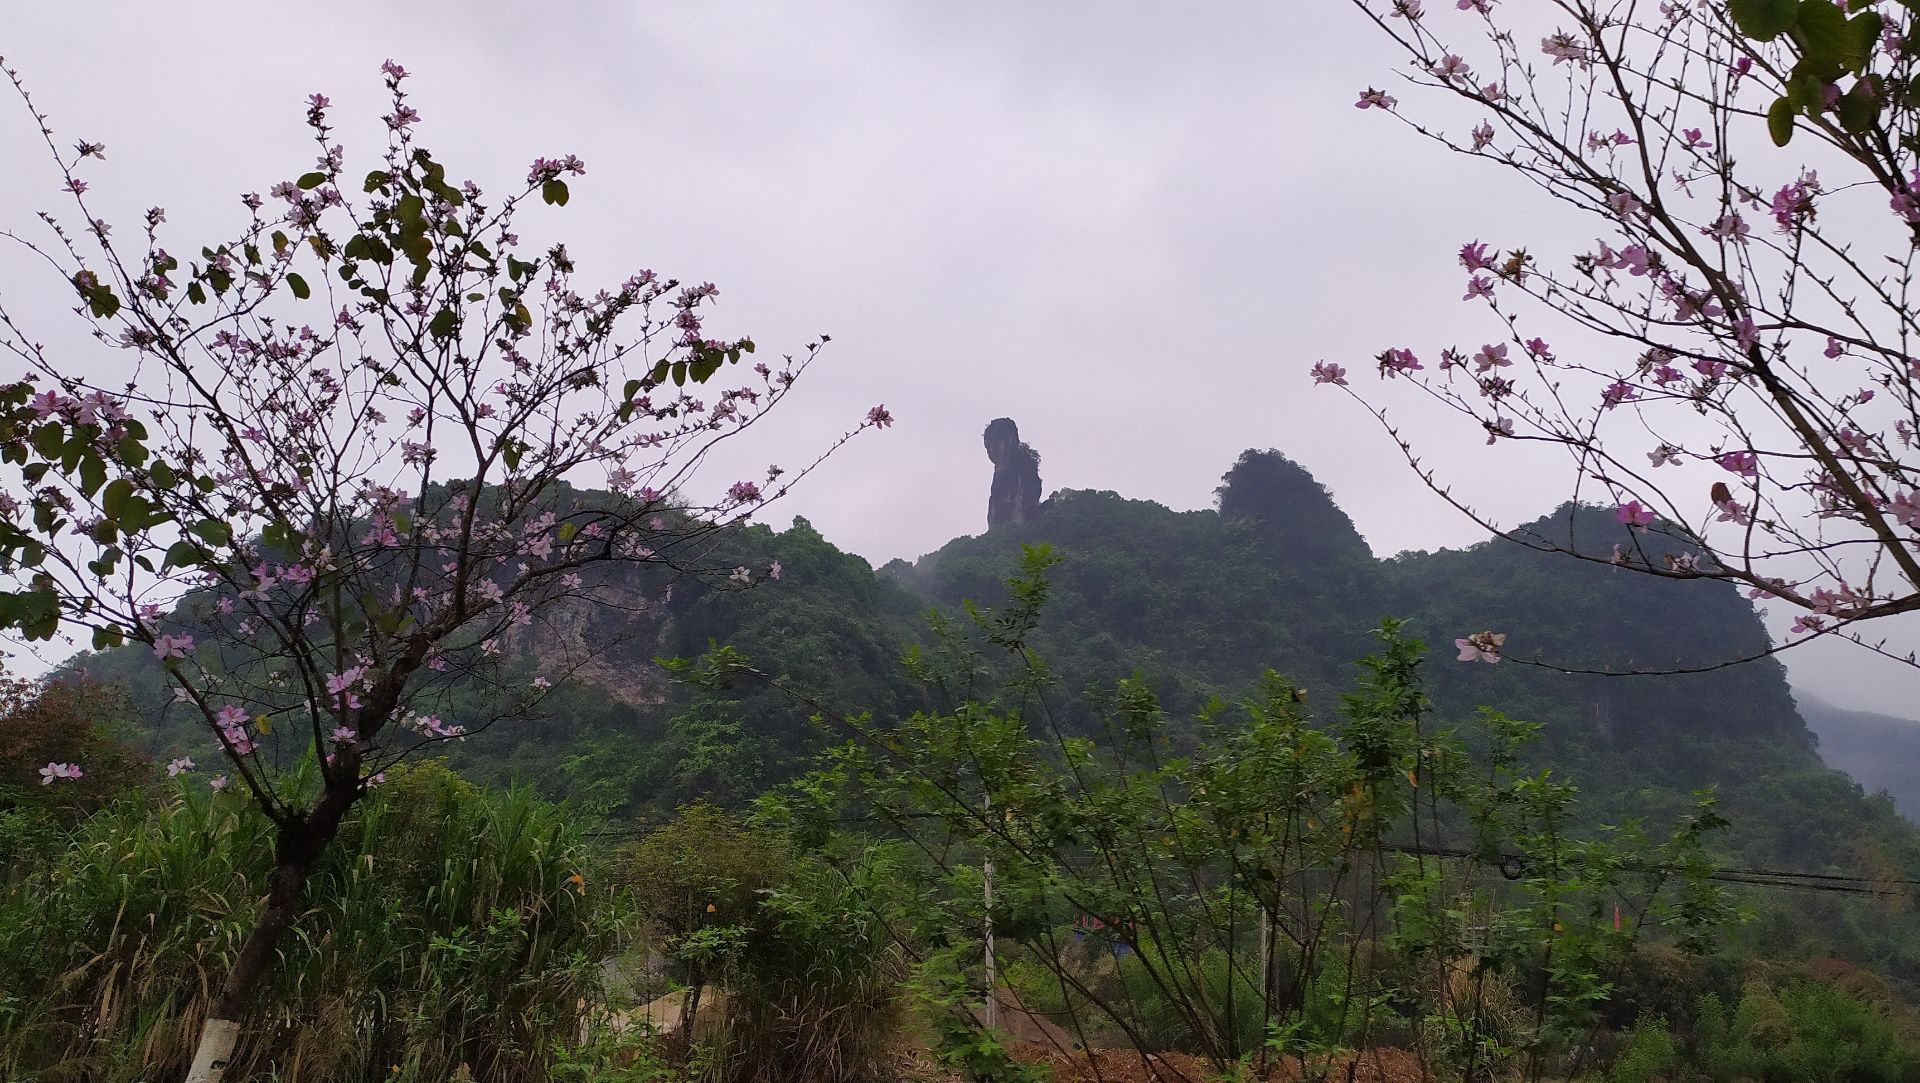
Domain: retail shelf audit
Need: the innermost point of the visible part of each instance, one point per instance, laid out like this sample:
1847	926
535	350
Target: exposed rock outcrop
1016	474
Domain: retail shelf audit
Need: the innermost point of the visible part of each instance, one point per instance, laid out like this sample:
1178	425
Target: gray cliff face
1016	474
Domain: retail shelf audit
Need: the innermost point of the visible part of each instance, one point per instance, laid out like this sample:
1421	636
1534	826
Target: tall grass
447	927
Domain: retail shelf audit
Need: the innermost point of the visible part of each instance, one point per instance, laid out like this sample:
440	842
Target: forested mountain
1200	603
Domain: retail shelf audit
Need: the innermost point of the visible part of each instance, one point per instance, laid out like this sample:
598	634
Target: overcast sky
1129	226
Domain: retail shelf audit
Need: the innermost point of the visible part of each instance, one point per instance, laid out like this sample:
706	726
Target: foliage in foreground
1280	888
462	927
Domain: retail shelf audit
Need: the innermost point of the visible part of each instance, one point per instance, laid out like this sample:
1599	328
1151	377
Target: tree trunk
222	1030
296	844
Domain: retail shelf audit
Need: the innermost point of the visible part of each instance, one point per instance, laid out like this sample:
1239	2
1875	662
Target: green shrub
449	926
1650	1051
1805	1031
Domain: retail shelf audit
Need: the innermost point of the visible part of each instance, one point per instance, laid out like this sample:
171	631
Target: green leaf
1780	122
299	286
376	180
93	474
213	531
554	192
48	439
1859	108
1865	28
185	554
114	500
443	325
1822	33
1764	20
309	181
131	451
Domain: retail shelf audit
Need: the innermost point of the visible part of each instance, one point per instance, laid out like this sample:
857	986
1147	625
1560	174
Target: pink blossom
1491	356
1632	513
1478	286
1729	227
773	570
743	492
393	71
1564	48
1745	334
1375	99
179	766
1483	132
1618	392
62	771
172	646
1744	463
878	417
1807	622
1481	647
345	735
1326	372
1397	361
1451	67
1906	508
1474	256
1626	205
217	783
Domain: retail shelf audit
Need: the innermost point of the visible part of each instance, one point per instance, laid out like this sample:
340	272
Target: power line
1513	867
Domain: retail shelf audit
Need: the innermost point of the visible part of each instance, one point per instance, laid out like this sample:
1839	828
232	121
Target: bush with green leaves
1801	1030
810	975
1284	884
463	927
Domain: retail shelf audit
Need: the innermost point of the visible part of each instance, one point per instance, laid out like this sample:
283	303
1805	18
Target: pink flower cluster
65	772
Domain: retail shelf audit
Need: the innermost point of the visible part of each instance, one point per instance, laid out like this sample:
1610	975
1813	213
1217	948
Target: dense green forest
696	747
1199	604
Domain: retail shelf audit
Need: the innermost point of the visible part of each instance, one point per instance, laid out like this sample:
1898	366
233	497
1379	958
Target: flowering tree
1744	393
332	471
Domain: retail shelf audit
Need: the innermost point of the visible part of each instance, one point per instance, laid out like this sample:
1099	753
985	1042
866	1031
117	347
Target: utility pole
993	979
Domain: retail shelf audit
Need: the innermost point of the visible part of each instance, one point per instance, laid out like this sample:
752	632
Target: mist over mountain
1881	752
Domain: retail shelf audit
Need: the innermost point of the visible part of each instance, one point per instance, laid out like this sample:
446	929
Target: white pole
993	980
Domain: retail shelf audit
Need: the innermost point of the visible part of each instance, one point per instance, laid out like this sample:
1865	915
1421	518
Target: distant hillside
1201	603
1880	751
